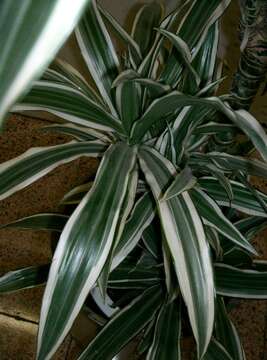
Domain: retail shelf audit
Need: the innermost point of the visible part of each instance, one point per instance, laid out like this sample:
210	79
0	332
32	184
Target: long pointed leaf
17	173
83	248
24	278
124	326
214	217
69	104
98	52
243	200
185	237
45	221
166	342
240	283
32	49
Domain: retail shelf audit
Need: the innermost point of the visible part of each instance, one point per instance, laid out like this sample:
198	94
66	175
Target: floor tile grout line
19	318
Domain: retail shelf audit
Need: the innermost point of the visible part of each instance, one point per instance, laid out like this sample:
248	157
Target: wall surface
19	312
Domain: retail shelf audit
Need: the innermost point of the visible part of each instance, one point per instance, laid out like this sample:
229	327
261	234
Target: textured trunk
253	61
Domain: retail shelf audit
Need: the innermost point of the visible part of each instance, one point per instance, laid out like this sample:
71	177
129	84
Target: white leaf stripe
125	324
214	217
243	200
141	216
166	341
98	52
42	221
83	248
23	278
17	173
186	239
80	133
129	41
216	352
31	53
74	78
226	332
240	283
68	103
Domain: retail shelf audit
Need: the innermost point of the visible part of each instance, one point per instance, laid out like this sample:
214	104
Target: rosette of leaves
163	233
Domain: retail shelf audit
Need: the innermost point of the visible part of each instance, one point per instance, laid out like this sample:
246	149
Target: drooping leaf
31	50
125	324
79	132
214	217
240	283
63	72
184	181
186	240
69	104
23	278
243	200
166	342
226	332
233	163
83	248
184	55
76	195
98	52
43	221
17	173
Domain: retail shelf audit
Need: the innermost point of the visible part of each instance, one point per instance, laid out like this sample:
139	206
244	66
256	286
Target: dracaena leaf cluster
165	228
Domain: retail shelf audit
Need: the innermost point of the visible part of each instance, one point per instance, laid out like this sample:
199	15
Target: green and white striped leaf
69	104
214	217
128	99
240	283
233	163
243	200
212	128
205	60
193	30
155	88
143	30
83	248
152	238
17	173
186	240
123	35
66	74
166	342
125	324
184	181
226	332
23	278
184	54
31	51
141	216
98	52
216	352
79	132
251	226
134	276
44	221
76	195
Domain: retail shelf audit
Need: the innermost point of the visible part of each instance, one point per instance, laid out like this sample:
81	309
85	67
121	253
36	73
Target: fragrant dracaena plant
160	229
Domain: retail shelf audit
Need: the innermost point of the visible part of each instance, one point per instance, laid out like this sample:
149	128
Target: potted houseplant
159	240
